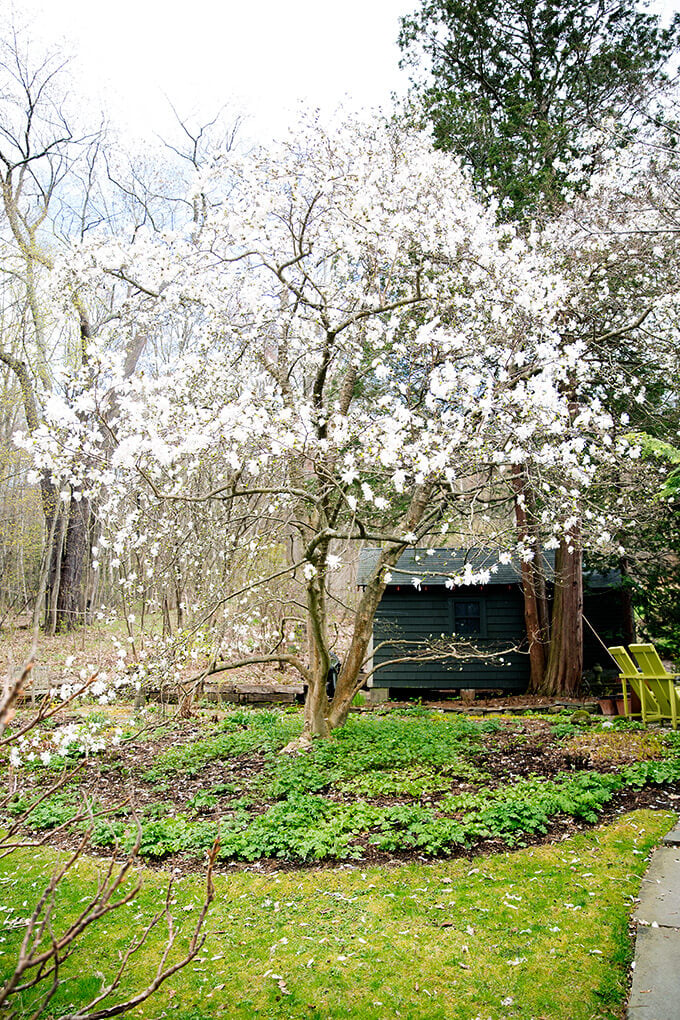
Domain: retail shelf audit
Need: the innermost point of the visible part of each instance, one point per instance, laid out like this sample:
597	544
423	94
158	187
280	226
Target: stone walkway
655	993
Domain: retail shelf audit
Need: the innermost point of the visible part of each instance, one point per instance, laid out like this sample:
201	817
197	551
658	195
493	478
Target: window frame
458	600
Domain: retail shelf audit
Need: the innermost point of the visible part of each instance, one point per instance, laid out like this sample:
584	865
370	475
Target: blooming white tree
616	246
368	350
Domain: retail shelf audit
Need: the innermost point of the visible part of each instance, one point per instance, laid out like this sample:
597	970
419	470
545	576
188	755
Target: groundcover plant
406	782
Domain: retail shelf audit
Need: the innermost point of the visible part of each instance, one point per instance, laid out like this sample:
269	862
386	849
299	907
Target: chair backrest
658	680
649	662
623	660
663	693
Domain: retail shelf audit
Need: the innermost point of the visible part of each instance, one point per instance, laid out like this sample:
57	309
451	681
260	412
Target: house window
467	618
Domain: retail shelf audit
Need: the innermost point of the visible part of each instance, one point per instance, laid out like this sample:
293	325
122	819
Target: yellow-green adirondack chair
660	682
630	674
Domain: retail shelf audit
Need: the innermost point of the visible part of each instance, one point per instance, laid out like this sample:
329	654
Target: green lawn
536	933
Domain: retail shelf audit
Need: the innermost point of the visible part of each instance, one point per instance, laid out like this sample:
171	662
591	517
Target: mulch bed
518	750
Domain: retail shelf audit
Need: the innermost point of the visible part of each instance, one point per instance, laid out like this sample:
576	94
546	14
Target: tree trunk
167	622
348	679
65	604
361	638
71	597
317	723
65	600
533	585
322	716
318	655
565	661
54	573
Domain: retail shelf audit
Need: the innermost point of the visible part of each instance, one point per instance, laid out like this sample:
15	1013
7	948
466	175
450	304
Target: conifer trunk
565	661
533	586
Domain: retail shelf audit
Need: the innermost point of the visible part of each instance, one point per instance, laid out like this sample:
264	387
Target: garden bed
405	784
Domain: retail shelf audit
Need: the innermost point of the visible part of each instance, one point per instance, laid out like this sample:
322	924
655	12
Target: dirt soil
522	748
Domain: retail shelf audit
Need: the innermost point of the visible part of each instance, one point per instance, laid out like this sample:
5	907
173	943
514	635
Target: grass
536	933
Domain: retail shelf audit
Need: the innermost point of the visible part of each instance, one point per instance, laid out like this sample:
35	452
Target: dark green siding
406	615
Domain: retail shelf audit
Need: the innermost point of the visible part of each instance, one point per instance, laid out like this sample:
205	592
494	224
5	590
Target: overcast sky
259	56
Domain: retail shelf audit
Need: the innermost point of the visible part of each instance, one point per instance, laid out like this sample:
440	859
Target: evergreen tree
519	89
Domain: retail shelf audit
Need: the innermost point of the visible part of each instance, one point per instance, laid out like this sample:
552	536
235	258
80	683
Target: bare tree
50	940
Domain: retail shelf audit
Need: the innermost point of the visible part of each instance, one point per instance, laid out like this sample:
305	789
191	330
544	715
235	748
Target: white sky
258	56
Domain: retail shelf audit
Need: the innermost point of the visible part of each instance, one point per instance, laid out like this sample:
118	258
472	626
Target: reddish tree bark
533	586
565	661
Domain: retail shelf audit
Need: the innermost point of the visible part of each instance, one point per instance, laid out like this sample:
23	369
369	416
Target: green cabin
420	612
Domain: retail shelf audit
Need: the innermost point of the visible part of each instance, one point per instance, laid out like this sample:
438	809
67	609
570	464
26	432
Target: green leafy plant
220	789
158	838
364	747
17	805
241	732
107	832
52	811
202	802
159	809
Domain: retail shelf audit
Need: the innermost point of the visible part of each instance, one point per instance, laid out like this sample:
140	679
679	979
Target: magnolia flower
399	480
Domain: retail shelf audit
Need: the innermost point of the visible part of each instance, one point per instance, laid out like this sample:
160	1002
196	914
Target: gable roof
437	566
